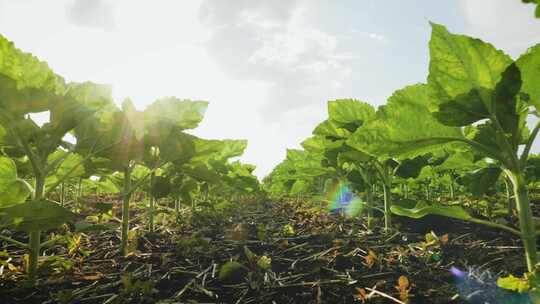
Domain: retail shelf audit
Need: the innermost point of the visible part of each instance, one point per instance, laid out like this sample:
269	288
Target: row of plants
457	146
92	146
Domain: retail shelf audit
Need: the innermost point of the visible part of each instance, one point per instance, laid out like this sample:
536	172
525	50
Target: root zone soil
315	258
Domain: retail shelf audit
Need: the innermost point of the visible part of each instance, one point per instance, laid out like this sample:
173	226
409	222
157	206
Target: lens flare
344	201
480	286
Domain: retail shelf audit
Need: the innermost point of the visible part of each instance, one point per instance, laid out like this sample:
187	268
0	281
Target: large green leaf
12	190
206	150
459	161
161	187
178	147
463	72
62	162
411	168
27	84
202	173
404	127
422	209
35	216
182	114
529	64
480	181
80	102
331	129
109	134
350	113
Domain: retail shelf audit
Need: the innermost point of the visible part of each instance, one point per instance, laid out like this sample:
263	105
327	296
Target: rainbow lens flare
344	201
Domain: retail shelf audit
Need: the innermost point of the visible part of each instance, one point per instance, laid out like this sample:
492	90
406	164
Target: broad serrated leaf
12	190
466	69
422	209
404	127
35	216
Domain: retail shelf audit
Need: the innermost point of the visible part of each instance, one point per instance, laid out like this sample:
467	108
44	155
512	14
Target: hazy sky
267	67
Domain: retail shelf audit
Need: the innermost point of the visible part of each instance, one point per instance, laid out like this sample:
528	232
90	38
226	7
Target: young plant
155	135
476	98
29	86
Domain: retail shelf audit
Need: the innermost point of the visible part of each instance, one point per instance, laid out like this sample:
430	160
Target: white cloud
91	13
507	24
278	45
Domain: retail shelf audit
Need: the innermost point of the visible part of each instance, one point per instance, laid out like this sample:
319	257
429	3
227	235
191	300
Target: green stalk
387	205
34	237
508	198
14	242
526	223
177	208
62	194
125	209
79	194
152	203
406	191
452	194
494	225
369	200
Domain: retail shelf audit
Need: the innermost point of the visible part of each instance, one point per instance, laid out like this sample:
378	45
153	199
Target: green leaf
27	84
110	132
464	71
512	283
422	209
411	168
529	65
350	112
182	114
67	164
404	127
202	173
161	187
86	227
331	130
35	216
232	273
206	150
480	181
12	190
459	161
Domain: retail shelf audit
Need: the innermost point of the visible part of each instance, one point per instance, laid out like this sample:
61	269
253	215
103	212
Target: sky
267	67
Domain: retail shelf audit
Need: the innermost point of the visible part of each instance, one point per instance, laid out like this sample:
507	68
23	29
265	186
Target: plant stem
406	191
14	242
387	205
508	198
526	223
79	194
125	209
177	208
369	200
62	193
152	203
34	236
452	194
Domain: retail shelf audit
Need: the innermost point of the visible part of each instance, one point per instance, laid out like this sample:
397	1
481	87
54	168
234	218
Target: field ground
317	259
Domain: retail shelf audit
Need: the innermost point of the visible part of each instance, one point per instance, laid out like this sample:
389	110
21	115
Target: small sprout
264	262
288	230
232	273
512	283
261	232
371	259
404	287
